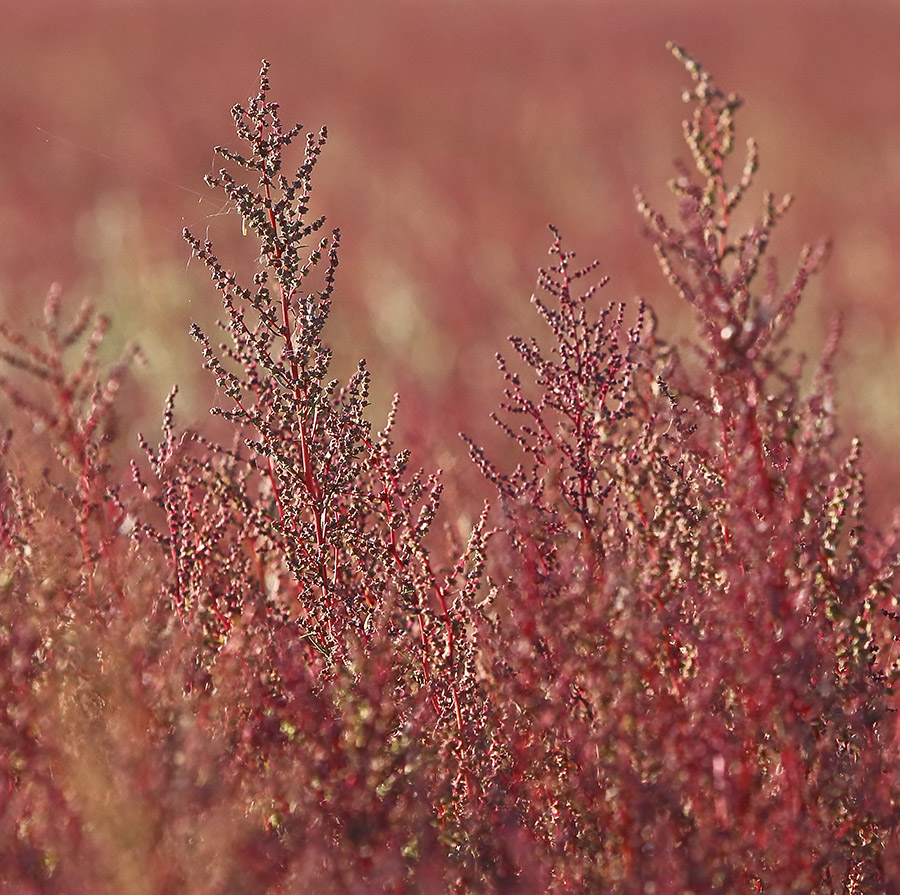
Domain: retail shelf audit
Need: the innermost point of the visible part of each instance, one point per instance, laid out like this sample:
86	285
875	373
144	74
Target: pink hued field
634	632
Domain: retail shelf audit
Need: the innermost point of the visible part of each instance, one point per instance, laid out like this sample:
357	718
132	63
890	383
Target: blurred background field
458	131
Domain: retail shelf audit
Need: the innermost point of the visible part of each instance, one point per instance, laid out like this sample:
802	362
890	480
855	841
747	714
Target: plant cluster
664	662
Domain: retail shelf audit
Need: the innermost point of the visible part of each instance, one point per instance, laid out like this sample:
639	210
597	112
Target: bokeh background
458	131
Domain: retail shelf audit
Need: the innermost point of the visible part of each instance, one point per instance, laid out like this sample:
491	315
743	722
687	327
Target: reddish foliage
665	665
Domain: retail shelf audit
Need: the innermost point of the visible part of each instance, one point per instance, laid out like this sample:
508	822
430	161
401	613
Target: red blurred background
458	130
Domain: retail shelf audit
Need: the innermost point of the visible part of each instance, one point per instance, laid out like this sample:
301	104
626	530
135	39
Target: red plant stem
757	444
276	491
726	451
78	447
84	485
387	478
309	478
226	623
720	184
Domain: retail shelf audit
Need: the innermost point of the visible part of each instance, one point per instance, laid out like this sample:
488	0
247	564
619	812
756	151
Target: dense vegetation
663	661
